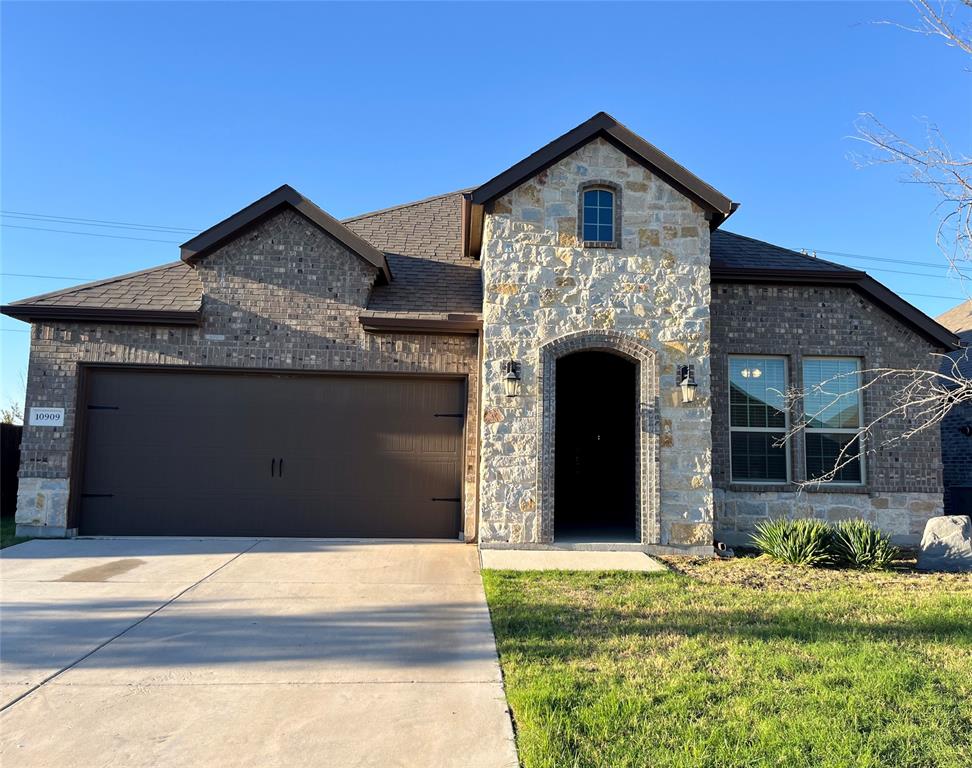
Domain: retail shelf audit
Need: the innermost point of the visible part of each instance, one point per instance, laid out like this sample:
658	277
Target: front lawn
8	532
737	663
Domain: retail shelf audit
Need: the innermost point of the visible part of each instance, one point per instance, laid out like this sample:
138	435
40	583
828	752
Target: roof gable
206	242
739	259
603	125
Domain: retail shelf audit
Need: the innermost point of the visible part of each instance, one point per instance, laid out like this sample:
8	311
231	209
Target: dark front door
595	484
216	454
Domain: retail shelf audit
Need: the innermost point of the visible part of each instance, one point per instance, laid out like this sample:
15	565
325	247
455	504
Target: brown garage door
215	454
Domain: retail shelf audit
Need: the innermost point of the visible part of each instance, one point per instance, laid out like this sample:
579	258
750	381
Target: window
758	420
832	404
598	216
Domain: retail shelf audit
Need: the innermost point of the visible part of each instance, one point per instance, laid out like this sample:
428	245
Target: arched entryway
606	366
596	448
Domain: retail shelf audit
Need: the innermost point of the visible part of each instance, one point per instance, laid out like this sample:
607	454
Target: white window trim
776	430
841	431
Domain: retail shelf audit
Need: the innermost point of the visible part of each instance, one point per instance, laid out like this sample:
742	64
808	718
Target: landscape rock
946	544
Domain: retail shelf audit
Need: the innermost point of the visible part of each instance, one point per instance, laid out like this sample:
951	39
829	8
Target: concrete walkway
149	652
567	560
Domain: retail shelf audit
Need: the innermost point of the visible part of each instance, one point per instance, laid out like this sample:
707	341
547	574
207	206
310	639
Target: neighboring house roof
170	294
229	228
959	320
604	126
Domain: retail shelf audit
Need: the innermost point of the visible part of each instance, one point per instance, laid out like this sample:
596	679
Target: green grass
8	537
737	663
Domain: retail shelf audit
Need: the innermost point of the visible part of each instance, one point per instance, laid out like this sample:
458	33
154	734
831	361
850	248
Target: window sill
794	488
599	244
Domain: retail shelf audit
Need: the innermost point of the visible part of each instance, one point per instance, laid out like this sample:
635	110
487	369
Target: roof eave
719	206
32	313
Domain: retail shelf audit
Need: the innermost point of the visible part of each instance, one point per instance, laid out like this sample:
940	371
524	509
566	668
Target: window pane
755	457
590	197
831	397
757	389
824	453
605	233
590	231
605	198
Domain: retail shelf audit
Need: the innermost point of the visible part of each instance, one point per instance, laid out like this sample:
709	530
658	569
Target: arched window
599	221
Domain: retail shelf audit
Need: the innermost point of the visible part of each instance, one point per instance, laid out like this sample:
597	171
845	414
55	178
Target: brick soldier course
462	283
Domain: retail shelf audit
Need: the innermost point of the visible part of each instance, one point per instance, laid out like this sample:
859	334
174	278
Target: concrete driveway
148	652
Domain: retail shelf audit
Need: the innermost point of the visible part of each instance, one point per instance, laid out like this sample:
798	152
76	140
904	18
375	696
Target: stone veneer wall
283	296
903	485
648	300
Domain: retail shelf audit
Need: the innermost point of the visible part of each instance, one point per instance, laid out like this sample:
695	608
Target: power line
933	296
875	258
47	277
89	234
96	222
14	330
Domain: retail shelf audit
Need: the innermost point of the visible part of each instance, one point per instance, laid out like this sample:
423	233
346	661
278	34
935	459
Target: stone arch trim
648	522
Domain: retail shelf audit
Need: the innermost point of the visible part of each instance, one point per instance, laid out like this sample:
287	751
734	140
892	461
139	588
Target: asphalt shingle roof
430	228
171	287
423	245
732	251
430	285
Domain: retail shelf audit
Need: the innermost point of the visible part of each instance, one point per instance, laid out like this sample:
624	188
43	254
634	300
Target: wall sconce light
687	383
966	430
511	382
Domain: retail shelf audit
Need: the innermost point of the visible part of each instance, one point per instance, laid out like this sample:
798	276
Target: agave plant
797	542
858	544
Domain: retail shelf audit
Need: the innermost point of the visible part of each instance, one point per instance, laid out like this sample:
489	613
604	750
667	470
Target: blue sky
178	114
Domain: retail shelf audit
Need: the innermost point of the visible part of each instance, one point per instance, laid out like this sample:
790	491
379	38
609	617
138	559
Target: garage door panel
201	453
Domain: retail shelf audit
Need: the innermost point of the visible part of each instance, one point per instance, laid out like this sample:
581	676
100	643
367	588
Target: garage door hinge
439	498
450	415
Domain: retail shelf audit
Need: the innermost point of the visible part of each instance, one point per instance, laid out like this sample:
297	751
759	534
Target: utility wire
47	277
89	234
96	222
814	251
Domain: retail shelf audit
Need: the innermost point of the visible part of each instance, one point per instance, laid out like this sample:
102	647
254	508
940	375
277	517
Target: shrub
797	542
859	544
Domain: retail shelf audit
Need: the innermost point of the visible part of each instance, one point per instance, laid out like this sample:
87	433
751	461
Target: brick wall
957	458
283	295
903	482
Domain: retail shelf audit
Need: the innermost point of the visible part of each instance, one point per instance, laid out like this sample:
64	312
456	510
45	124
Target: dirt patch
103	572
762	573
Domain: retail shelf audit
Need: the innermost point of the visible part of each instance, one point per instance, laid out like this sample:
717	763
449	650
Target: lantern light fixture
511	381
687	383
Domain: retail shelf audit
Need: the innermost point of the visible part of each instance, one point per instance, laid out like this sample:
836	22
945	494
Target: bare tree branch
916	399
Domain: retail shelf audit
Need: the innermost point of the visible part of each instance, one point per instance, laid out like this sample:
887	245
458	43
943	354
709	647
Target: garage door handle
273	464
280	468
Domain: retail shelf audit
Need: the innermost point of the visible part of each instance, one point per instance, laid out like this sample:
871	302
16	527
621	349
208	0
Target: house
575	352
957	425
